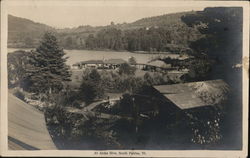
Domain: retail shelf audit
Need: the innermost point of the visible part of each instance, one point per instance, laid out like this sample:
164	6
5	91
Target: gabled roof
26	127
195	94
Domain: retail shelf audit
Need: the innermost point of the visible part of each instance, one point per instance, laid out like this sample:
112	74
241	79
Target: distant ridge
25	33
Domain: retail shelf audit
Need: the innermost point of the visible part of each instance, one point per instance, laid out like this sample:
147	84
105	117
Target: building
91	63
174	102
194	98
158	65
113	63
99	64
26	127
195	94
76	66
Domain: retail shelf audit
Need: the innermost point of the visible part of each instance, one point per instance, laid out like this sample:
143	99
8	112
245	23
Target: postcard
131	78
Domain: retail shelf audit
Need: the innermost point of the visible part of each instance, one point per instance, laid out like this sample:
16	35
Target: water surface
83	55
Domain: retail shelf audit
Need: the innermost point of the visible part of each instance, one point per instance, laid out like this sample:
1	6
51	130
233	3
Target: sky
68	16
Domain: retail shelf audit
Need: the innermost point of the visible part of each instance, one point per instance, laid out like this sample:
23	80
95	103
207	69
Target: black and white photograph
125	78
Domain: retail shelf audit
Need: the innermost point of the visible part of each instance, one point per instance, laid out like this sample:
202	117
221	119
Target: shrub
126	69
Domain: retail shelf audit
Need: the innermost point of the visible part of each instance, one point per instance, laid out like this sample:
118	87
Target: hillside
165	20
26	33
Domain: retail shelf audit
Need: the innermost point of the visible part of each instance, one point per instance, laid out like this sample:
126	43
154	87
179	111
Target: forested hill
24	32
165	20
173	31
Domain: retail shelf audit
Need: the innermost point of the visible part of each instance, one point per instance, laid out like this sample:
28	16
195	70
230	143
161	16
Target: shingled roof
26	127
195	94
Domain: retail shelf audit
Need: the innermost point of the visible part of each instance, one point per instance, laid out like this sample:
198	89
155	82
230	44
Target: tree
69	42
91	87
132	61
126	69
148	79
49	71
17	65
92	76
88	91
91	42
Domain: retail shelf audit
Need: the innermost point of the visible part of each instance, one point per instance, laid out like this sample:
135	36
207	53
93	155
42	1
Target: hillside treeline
175	39
159	33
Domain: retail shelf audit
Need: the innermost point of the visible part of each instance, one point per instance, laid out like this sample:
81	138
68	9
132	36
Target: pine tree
49	70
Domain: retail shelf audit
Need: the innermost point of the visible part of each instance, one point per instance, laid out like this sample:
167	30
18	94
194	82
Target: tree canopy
49	71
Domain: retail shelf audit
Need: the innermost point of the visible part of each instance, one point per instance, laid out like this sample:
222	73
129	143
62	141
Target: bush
91	87
17	64
126	69
132	61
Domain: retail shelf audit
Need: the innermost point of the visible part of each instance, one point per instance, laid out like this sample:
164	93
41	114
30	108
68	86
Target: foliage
222	41
222	27
91	87
92	75
126	69
199	67
49	71
132	60
88	91
69	127
126	104
115	37
174	39
18	63
206	126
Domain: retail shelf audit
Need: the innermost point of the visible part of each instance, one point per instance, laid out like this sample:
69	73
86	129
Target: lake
83	55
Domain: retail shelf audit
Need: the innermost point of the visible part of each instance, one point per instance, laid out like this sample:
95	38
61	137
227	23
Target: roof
92	62
158	63
26	127
108	61
195	94
114	61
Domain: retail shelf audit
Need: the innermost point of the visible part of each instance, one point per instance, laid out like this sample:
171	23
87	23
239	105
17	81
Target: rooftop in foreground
26	127
195	94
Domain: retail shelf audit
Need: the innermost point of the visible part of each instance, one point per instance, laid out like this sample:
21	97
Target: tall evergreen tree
49	70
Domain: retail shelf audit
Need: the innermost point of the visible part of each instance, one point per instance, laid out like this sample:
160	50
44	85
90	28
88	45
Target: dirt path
88	110
91	106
